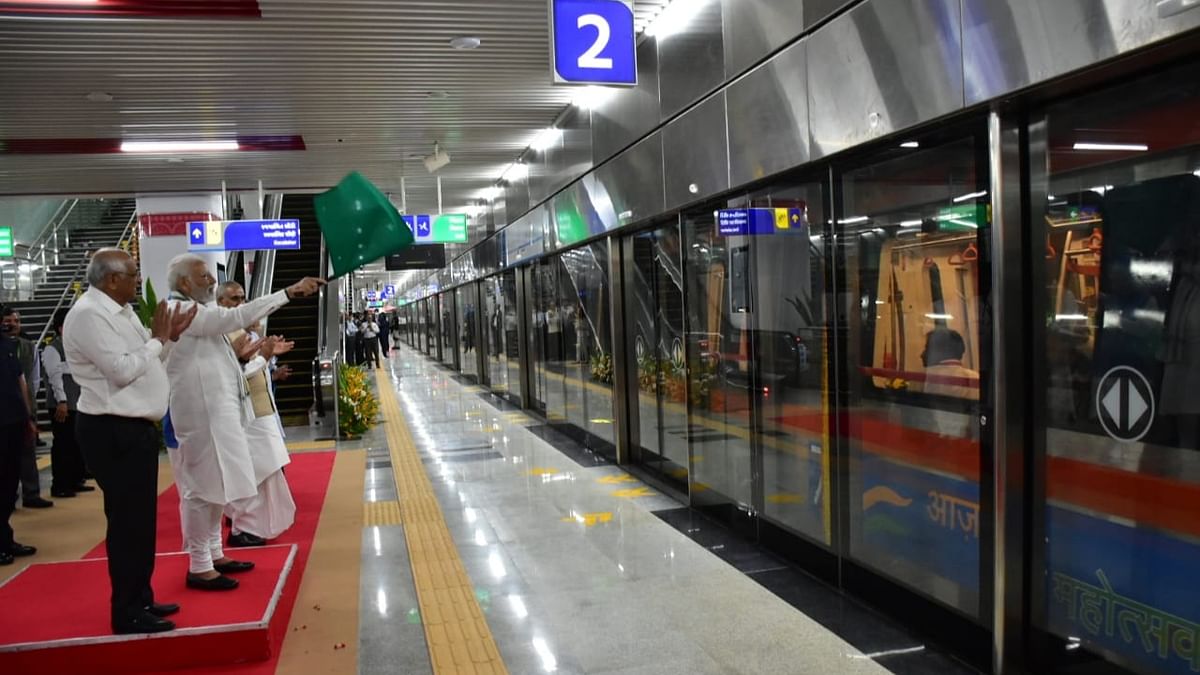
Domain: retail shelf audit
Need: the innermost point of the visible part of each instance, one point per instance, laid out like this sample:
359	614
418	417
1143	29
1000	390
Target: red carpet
59	633
308	476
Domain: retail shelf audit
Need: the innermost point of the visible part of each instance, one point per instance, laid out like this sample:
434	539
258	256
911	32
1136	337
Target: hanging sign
741	222
593	42
243	235
7	246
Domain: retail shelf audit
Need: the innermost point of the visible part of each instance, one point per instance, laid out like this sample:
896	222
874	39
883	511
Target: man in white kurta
271	510
209	408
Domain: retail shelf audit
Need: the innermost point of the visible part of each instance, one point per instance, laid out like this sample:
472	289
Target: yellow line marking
456	632
589	519
542	471
311	445
631	493
376	514
616	480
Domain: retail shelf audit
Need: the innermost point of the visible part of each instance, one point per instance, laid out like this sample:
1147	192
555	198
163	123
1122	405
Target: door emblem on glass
1125	404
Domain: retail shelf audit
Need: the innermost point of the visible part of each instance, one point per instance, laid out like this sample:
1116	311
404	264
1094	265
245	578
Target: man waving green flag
359	223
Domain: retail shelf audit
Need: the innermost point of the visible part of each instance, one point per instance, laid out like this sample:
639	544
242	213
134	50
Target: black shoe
233	567
21	550
220	583
62	494
36	503
144	622
243	539
6	559
84	487
163	609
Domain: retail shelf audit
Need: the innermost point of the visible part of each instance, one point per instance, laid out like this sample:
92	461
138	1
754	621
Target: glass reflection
465	299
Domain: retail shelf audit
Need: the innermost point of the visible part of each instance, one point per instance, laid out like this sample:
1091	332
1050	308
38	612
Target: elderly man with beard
272	510
210	405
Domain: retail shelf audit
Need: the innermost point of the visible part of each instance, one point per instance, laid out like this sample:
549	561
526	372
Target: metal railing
74	285
49	233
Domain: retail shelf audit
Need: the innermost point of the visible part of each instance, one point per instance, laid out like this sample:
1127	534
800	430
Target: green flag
359	223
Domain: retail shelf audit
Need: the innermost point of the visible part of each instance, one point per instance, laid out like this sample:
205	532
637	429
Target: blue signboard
389	291
371	296
593	42
243	235
741	222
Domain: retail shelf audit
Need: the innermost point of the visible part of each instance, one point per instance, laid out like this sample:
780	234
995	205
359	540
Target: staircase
299	320
36	314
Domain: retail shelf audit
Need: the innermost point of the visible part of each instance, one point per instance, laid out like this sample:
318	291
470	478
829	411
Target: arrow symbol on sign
1135	405
196	233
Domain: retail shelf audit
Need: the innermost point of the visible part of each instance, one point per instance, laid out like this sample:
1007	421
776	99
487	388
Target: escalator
299	320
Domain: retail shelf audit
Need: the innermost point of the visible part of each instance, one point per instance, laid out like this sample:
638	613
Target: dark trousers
352	349
370	352
383	343
12	442
122	453
30	483
66	460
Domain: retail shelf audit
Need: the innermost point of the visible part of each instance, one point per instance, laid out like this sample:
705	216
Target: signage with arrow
7	246
741	222
243	235
446	228
1125	404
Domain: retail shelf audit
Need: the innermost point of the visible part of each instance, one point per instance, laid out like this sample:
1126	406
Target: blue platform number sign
593	42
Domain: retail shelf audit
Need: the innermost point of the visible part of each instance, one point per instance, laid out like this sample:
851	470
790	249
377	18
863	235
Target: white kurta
209	408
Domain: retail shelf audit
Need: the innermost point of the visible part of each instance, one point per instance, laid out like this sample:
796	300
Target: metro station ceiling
367	85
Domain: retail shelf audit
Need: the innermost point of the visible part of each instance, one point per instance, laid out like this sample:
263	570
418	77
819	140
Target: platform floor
459	536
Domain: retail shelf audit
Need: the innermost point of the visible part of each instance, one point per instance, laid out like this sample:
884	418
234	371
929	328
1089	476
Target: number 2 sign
593	42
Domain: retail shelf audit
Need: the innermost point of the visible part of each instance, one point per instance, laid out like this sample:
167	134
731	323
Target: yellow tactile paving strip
311	445
458	636
379	514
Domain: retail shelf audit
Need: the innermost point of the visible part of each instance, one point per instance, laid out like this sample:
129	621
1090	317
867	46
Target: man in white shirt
369	333
271	510
210	405
123	392
62	400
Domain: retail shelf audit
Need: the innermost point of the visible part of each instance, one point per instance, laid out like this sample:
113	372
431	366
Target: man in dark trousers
124	390
385	333
62	400
16	430
27	354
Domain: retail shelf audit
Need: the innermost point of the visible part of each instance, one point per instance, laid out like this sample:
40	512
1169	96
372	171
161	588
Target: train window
909	234
1120	236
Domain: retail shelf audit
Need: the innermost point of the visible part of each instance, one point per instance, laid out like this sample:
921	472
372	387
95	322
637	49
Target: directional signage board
593	42
1125	404
244	235
7	245
741	222
428	257
389	291
447	228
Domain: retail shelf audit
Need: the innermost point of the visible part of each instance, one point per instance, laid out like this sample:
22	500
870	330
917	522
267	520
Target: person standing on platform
27	353
272	510
385	333
16	429
351	339
368	330
210	405
62	401
123	392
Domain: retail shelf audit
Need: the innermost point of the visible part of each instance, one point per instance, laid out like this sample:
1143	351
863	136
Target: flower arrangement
601	367
358	407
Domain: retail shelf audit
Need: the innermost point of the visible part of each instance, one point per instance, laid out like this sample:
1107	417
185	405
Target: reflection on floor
573	569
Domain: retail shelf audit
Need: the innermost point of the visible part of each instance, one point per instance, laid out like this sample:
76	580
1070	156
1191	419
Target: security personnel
16	430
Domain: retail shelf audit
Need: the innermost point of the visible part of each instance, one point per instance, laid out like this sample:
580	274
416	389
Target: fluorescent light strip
178	146
855	220
674	18
1114	147
973	195
910	144
546	139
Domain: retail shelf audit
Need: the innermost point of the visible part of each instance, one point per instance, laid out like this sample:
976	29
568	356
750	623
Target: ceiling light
178	146
674	18
465	42
99	97
1113	147
515	172
174	160
592	97
546	139
854	220
968	197
910	144
492	192
437	95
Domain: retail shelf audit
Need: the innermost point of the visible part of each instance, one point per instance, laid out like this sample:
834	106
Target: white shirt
115	362
55	368
369	329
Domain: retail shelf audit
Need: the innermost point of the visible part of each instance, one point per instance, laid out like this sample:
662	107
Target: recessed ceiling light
1115	147
465	42
910	144
99	97
174	160
177	146
440	94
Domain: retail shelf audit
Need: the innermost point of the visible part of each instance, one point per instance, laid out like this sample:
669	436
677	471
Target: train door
466	300
510	319
449	350
1115	416
912	229
654	321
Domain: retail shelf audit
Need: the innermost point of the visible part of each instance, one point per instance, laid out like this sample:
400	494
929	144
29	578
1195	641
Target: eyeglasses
236	298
